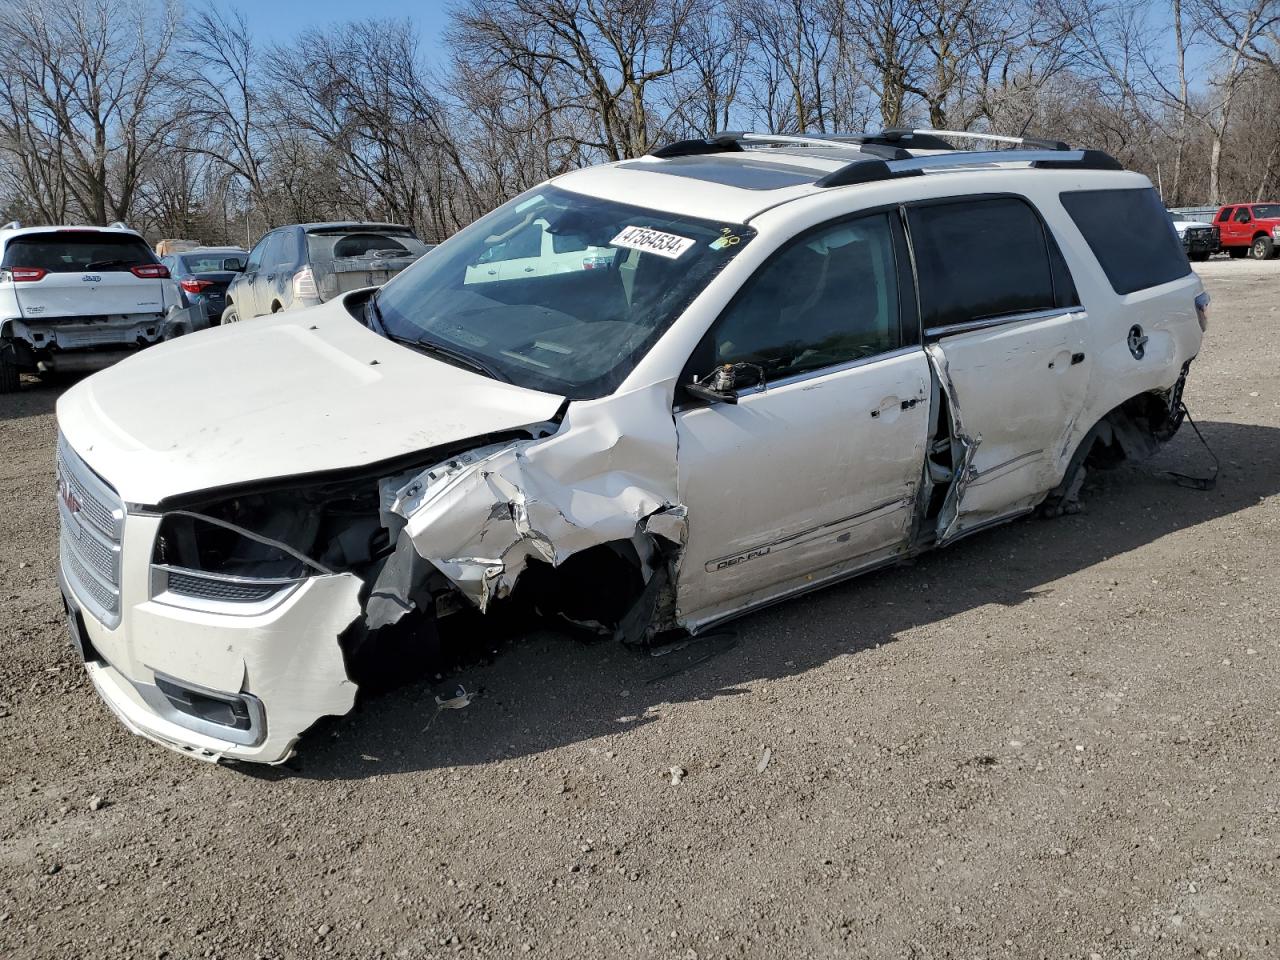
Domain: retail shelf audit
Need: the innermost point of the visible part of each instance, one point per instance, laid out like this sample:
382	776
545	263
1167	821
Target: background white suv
80	298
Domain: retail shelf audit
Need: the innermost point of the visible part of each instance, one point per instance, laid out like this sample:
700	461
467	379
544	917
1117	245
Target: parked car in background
203	276
81	298
1249	228
1199	240
307	264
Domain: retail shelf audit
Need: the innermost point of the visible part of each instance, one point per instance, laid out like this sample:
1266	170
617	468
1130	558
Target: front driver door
813	476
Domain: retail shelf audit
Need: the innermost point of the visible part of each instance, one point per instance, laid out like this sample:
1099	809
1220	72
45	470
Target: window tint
1242	215
1128	232
829	297
1225	215
979	259
255	255
77	251
1267	211
281	251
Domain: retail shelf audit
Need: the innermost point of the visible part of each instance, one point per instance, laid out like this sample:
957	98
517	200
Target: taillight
150	271
304	285
1202	311
23	274
195	286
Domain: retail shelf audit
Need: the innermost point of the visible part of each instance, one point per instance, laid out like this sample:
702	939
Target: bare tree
91	88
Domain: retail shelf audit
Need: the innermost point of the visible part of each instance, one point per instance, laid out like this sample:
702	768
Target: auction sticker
667	245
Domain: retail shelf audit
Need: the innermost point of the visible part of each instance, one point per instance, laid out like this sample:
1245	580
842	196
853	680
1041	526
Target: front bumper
211	683
1201	244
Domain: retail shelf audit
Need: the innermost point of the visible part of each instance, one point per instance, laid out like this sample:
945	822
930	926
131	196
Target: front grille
91	518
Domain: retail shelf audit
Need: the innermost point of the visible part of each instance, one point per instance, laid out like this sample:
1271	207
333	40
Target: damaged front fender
607	476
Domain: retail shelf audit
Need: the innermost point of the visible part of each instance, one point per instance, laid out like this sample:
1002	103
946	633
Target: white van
804	359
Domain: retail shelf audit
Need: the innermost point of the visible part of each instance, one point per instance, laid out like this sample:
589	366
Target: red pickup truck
1249	228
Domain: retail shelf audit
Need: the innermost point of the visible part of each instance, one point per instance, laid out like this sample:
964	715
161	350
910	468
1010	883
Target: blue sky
278	20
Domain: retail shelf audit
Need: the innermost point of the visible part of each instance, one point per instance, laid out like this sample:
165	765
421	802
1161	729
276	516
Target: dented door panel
1019	389
798	478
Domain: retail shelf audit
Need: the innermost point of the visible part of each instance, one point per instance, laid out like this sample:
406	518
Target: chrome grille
92	522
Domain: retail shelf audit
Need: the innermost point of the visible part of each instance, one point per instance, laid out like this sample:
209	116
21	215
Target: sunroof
731	171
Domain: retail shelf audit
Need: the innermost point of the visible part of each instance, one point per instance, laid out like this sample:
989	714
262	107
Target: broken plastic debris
764	760
677	775
460	699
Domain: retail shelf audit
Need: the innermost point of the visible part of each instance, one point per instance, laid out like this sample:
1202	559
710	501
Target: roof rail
12	225
894	133
885	155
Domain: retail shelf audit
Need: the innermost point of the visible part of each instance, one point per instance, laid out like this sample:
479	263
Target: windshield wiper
430	347
99	264
456	357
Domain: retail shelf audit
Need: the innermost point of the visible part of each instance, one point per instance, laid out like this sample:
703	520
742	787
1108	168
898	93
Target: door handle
271	276
887	405
528	269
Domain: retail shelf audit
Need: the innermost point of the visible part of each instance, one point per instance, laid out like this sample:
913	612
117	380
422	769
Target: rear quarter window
1130	233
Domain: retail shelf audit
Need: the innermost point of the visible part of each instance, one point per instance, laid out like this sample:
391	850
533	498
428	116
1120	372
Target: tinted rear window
77	252
1130	234
984	258
367	243
214	262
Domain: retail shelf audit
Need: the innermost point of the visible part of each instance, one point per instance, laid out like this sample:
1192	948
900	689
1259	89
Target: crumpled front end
225	625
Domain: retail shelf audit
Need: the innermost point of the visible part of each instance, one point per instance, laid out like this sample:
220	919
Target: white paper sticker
653	241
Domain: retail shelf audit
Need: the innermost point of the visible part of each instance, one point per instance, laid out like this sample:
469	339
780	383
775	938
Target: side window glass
979	259
1225	215
277	254
829	297
255	255
1242	215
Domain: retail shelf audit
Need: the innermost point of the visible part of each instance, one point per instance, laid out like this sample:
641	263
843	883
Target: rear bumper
79	344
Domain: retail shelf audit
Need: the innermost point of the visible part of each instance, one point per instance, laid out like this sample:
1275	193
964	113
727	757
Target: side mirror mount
721	384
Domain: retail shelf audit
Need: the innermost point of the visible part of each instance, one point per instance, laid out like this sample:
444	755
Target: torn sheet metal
607	475
963	448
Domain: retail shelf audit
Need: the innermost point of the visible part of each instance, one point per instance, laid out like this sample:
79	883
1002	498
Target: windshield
75	252
560	292
1266	211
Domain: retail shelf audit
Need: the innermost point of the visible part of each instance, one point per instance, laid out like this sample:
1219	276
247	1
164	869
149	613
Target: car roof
12	232
187	253
350	225
737	185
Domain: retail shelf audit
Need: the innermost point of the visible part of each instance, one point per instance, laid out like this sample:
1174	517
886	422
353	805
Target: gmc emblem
68	497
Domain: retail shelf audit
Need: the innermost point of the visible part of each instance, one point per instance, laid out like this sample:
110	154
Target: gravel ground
1057	739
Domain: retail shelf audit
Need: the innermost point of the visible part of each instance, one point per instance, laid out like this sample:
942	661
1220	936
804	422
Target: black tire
9	381
230	314
1199	256
1235	253
1262	248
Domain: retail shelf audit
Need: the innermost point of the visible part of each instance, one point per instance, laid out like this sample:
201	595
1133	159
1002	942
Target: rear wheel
8	368
1262	248
231	314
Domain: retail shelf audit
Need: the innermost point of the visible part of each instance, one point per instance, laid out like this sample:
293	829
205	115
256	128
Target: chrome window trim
757	389
985	323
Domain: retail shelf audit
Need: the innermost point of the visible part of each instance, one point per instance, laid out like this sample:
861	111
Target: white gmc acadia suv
81	298
778	362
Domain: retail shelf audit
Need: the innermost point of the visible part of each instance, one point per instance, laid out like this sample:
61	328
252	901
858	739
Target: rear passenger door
1007	339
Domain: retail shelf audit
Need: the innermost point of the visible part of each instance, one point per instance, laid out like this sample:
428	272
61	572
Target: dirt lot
1057	739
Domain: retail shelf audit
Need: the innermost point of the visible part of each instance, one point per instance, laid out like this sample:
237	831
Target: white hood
305	391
